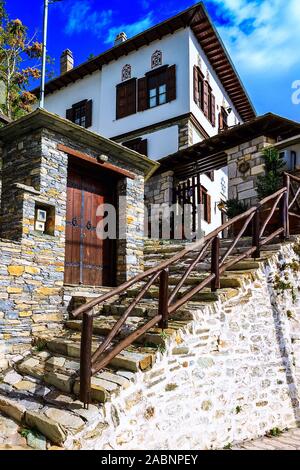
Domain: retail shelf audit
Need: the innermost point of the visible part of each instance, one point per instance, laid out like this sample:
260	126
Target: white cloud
262	35
130	29
82	18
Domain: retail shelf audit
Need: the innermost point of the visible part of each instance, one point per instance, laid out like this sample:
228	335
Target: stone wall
159	189
32	264
245	164
231	375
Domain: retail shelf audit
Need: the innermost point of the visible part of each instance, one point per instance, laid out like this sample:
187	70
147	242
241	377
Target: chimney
66	61
121	37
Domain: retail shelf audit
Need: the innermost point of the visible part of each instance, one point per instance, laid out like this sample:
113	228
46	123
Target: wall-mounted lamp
221	206
229	110
102	158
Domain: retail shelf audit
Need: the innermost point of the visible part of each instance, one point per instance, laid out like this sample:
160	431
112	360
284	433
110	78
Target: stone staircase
41	390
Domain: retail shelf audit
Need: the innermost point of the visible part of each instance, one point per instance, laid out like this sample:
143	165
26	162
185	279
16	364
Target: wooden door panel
73	231
89	259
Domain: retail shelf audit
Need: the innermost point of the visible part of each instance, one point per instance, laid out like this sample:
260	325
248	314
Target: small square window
44	219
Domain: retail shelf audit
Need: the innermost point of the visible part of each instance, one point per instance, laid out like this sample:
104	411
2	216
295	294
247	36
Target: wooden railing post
215	263
255	234
284	209
163	298
86	358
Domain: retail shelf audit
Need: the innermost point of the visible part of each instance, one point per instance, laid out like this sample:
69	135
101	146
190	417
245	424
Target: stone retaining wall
231	375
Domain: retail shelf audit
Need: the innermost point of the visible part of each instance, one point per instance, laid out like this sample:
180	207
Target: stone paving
289	440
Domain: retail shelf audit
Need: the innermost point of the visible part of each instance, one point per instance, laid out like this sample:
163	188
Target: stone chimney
66	61
121	37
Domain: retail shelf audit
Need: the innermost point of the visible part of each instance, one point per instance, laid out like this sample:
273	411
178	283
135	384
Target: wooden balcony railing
283	202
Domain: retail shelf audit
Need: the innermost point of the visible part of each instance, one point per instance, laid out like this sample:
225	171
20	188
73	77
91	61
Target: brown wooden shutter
126	98
220	121
70	114
196	86
171	83
206	98
208	209
142	94
213	109
88	113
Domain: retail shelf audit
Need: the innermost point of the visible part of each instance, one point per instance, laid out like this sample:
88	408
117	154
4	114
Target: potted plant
234	207
269	183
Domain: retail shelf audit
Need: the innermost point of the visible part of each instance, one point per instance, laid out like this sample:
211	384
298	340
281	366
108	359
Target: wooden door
89	260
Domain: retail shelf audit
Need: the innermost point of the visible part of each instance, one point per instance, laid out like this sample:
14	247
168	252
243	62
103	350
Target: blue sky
262	36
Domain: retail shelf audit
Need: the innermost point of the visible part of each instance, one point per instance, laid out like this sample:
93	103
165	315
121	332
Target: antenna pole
43	76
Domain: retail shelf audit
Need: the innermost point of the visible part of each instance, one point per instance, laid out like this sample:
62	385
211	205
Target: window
139	145
223	119
211	175
81	113
157	94
206	201
157	87
203	96
126	98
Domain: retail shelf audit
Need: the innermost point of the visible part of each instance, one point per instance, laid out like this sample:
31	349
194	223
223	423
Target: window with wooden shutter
157	87
208	209
89	113
212	110
206	201
126	99
171	83
139	145
206	98
142	94
198	87
81	113
223	116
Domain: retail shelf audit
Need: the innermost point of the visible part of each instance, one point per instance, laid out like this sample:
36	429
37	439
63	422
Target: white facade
181	49
163	137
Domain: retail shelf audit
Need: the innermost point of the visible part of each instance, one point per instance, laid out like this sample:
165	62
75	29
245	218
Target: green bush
235	207
271	181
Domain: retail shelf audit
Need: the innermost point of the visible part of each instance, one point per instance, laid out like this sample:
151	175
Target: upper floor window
81	113
139	145
126	98
203	96
223	119
126	72
156	59
157	90
157	87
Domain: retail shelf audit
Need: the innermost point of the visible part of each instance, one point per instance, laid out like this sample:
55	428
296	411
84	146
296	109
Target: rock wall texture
245	164
231	375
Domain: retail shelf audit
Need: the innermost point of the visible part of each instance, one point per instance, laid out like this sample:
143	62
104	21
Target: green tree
16	48
271	181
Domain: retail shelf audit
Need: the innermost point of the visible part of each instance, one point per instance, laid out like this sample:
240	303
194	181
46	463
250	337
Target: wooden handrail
91	364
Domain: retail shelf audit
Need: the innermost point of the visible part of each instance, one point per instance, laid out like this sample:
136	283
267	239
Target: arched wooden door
89	260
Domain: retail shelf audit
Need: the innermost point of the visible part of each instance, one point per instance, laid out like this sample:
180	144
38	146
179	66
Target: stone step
134	358
204	295
103	325
146	309
60	373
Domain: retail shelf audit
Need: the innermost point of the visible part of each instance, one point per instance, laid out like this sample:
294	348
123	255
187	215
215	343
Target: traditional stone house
167	88
54	176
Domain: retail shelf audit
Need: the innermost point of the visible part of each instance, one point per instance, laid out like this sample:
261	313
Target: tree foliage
271	181
16	48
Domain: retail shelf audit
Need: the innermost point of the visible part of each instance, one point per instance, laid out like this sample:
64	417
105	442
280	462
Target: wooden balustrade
283	200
